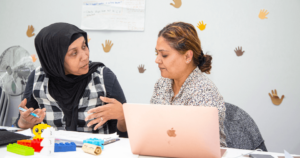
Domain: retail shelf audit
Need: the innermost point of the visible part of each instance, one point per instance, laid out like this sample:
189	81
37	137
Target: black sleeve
112	86
31	102
114	90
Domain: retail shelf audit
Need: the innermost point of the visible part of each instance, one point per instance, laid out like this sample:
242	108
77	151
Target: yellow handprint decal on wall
107	46
30	31
89	39
201	26
177	3
262	14
275	99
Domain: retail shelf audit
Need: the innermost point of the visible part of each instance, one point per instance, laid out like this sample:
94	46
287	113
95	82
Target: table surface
123	148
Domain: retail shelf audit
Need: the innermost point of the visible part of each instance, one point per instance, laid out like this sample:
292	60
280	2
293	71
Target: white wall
270	60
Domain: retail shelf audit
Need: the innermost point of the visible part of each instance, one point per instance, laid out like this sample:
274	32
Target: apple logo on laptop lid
171	133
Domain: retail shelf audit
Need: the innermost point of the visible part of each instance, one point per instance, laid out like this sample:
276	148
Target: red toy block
24	142
36	144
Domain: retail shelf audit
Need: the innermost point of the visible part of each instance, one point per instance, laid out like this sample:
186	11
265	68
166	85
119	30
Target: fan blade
13	87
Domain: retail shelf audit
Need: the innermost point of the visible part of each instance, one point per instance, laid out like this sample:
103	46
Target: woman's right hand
28	121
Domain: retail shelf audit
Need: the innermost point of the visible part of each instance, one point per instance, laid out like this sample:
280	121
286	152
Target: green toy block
20	149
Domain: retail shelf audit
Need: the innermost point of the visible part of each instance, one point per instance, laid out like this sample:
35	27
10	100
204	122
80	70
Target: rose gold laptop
173	131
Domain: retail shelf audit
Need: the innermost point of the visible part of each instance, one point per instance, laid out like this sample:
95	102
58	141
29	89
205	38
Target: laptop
173	131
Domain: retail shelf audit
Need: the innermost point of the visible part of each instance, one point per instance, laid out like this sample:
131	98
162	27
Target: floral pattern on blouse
197	90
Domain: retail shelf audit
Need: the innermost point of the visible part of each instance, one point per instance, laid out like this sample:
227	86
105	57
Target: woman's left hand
101	114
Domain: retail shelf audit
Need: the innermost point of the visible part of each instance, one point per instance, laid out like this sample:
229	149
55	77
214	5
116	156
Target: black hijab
51	44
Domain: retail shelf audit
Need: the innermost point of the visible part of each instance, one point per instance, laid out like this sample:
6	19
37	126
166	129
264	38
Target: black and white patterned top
54	114
197	90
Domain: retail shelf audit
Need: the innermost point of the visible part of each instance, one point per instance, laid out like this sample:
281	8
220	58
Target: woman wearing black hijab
68	91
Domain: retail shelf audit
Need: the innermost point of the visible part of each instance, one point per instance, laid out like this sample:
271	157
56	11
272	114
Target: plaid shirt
90	99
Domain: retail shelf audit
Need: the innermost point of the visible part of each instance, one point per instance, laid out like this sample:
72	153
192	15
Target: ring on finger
101	119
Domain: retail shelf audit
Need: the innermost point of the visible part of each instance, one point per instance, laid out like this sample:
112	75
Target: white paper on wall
113	15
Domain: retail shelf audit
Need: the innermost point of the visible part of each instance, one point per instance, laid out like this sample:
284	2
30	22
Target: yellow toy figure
38	130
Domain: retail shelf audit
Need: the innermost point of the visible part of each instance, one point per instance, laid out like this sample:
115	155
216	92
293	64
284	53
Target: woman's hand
28	121
101	114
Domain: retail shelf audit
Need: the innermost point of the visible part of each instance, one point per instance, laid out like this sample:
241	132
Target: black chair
241	130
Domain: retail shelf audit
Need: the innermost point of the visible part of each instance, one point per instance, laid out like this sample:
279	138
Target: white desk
237	153
122	149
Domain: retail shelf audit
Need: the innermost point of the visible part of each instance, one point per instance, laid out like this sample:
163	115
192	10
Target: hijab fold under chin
52	44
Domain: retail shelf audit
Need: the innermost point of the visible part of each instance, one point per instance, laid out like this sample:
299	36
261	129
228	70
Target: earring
188	61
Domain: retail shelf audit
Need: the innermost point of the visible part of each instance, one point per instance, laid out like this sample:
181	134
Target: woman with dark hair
68	91
182	64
